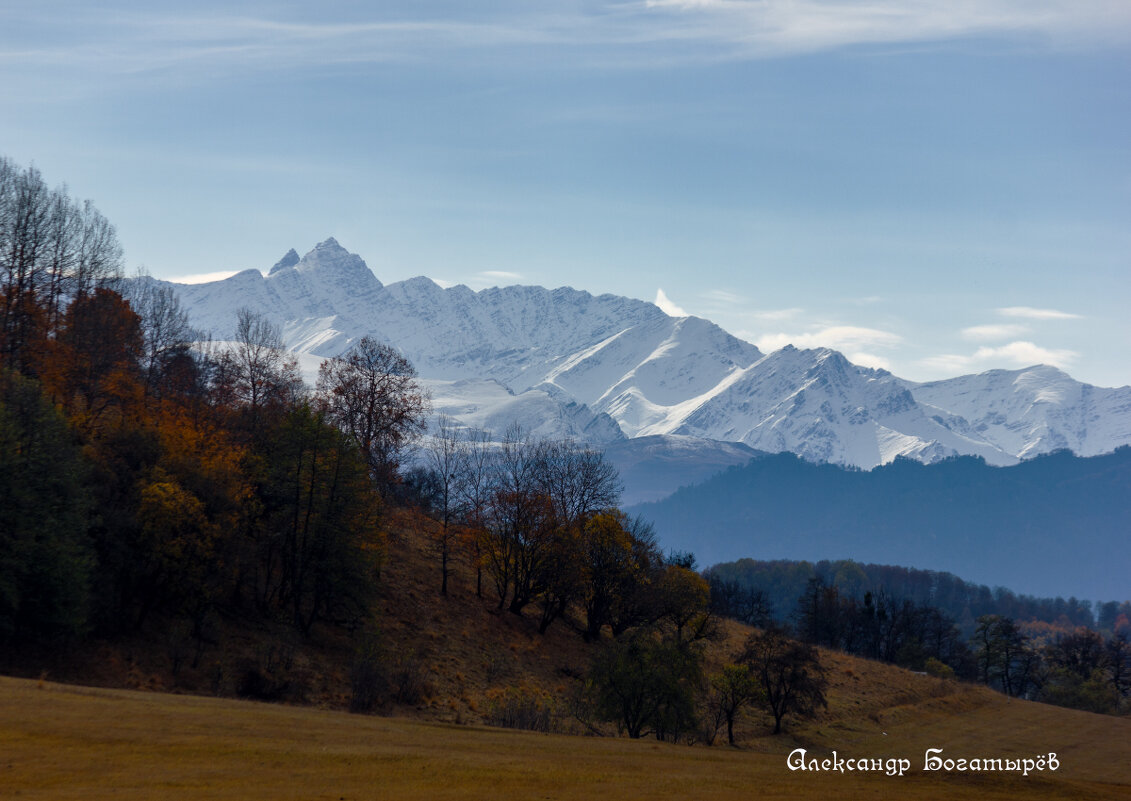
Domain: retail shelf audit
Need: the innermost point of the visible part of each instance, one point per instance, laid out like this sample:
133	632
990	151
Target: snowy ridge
600	368
817	404
1035	410
487	405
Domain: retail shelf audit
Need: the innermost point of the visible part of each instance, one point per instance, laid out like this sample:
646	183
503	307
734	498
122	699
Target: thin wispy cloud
723	297
732	310
776	315
632	34
772	27
1030	313
994	332
140	42
501	275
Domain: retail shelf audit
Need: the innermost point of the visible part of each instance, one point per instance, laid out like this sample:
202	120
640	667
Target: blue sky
933	187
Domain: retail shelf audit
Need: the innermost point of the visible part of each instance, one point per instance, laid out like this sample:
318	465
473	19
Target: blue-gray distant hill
1056	525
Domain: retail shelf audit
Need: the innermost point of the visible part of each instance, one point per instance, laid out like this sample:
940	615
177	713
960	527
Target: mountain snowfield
605	369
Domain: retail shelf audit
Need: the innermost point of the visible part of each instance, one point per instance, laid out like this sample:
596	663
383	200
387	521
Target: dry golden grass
64	742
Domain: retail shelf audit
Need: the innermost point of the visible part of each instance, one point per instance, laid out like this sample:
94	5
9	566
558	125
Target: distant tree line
1060	662
879	627
782	582
1077	668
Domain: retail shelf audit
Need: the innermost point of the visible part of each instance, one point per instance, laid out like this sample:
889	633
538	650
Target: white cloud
1015	354
991	333
1026	353
837	337
442	283
1030	313
203	278
666	306
500	275
869	360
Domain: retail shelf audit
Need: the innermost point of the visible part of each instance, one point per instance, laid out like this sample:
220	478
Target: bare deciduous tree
789	674
371	393
255	371
164	326
52	251
445	455
475	485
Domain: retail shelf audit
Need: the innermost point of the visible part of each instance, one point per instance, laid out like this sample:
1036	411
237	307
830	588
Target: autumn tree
614	566
520	523
178	546
647	684
636	604
683	600
1080	672
371	393
543	493
789	675
1081	652
206	468
579	484
732	689
564	576
95	366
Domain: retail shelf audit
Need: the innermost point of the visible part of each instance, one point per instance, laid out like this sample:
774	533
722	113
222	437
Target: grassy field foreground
64	742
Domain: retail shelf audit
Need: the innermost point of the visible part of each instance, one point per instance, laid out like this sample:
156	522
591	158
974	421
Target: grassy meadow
66	742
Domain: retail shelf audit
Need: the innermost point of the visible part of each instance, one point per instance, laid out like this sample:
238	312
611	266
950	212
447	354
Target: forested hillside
783	582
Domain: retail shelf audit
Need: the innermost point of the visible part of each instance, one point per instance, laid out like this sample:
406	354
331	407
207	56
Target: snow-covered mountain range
610	369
